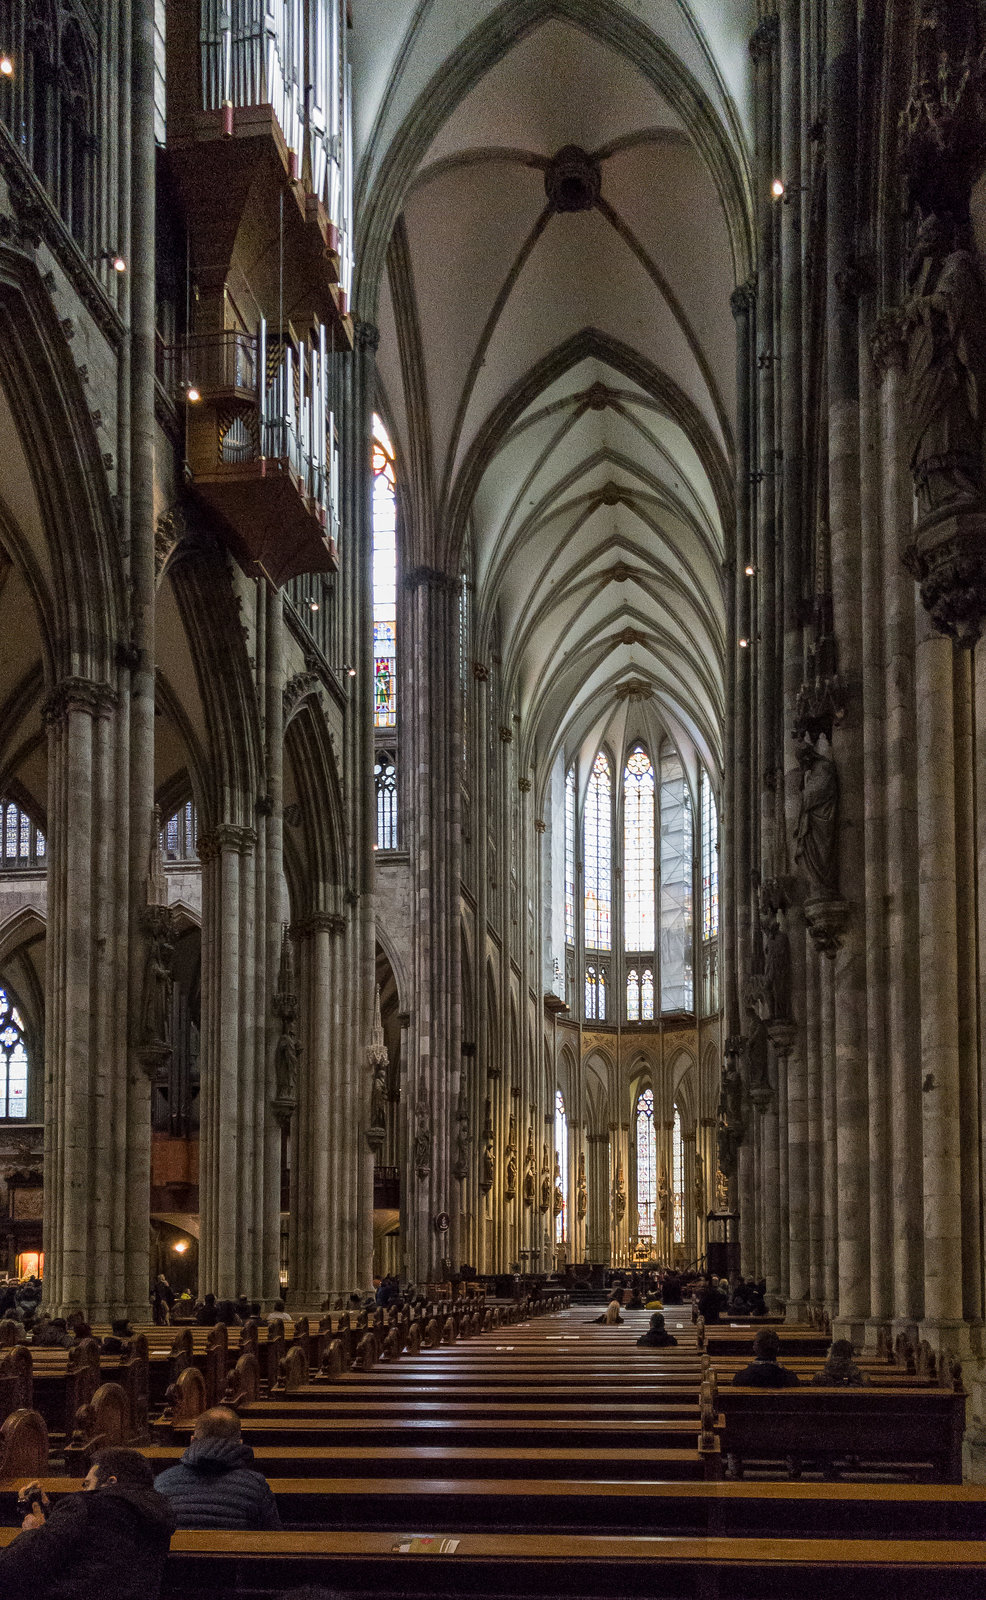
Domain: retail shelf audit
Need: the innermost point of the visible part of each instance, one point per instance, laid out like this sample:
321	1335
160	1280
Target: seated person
205	1314
840	1370
113	1344
765	1371
612	1313
278	1314
657	1335
110	1540
633	1302
710	1302
214	1484
54	1335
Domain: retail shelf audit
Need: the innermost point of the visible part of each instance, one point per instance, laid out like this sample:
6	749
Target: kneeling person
215	1485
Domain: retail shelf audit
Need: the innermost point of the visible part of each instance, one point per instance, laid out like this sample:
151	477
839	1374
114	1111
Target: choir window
385	784
646	1166
384	579
23	845
638	851
561	1168
179	836
640	995
595	994
570	801
597	855
676	885
678	1179
13	1061
710	895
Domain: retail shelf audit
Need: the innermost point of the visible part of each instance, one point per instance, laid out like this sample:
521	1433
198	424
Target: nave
521	1448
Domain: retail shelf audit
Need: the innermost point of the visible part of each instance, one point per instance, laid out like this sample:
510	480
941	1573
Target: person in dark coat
215	1484
657	1335
765	1371
162	1300
121	1334
710	1303
205	1314
108	1543
840	1370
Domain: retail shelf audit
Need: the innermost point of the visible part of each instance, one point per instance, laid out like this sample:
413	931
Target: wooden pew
212	1566
919	1431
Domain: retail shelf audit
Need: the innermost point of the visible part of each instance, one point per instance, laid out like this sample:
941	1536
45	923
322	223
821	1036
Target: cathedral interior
493	538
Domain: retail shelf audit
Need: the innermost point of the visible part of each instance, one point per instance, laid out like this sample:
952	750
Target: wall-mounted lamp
180	1247
192	394
744	644
777	188
749	569
6	66
313	605
349	671
115	260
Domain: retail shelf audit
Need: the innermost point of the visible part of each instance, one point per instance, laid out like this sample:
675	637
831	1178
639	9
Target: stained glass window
646	1166
385	784
677	988
179	836
647	995
638	851
710	860
23	843
633	995
13	1060
678	1179
561	1156
590	994
384	579
597	855
570	856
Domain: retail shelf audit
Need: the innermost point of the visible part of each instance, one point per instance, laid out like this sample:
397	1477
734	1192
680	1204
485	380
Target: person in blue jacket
215	1484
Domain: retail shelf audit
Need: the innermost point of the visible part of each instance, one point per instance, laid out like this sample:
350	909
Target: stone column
598	1233
93	1260
940	1100
815	1150
620	1208
432	744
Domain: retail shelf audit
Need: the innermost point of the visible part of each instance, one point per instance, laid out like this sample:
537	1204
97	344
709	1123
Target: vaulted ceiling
560	383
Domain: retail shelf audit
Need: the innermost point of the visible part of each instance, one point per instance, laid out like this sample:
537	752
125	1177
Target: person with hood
657	1335
840	1370
215	1485
108	1543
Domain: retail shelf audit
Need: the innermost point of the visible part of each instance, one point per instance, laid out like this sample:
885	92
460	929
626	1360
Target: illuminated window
570	856
23	844
677	990
638	851
646	1166
678	1179
561	1156
179	836
633	995
597	855
384	579
647	995
13	1060
710	895
385	784
595	994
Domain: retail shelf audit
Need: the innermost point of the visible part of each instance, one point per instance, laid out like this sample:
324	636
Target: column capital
318	922
888	341
743	298
430	578
367	336
225	837
78	694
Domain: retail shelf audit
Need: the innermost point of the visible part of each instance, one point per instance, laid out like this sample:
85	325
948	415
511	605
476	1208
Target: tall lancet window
561	1172
678	1179
677	987
646	1166
710	894
384	579
597	855
13	1061
638	851
570	855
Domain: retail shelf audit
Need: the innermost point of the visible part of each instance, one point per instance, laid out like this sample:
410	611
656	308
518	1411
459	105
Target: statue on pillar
545	1198
730	1125
488	1164
663	1194
581	1193
529	1179
510	1167
379	1063
619	1194
698	1184
287	1057
816	834
558	1197
155	1030
460	1168
422	1138
777	969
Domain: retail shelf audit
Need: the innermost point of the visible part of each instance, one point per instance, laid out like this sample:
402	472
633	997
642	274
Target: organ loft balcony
260	443
258	141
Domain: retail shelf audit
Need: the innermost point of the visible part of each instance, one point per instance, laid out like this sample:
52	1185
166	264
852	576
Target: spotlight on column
744	644
749	569
6	66
313	605
777	188
192	394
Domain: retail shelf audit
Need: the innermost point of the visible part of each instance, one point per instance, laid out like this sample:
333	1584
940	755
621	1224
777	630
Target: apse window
646	1165
597	854
561	1168
13	1062
23	845
384	578
385	785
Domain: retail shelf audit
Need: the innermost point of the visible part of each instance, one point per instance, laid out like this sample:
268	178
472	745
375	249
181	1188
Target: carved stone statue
777	970
545	1197
558	1198
663	1194
619	1194
460	1168
529	1179
156	1007
422	1139
698	1184
730	1122
378	1094
816	832
758	1056
287	1056
580	1189
488	1163
510	1168
945	321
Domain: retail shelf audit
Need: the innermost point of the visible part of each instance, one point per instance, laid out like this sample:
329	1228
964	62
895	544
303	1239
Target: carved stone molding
948	560
634	689
743	298
366	336
319	922
78	694
782	1036
888	342
540	826
226	836
524	785
763	40
826	921
506	734
296	688
430	578
480	671
573	179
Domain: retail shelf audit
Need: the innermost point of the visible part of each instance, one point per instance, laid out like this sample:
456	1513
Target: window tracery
385	785
561	1168
646	1140
384	578
13	1062
180	834
23	846
597	855
570	803
676	959
638	851
677	1180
